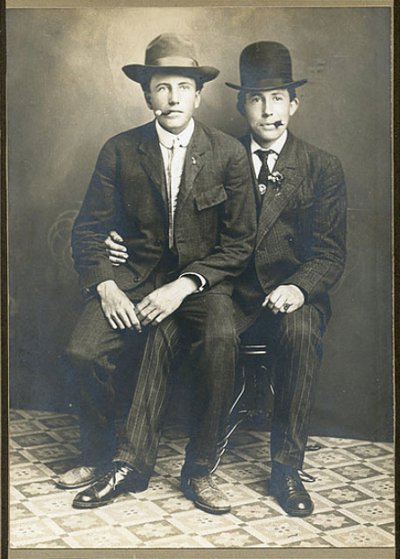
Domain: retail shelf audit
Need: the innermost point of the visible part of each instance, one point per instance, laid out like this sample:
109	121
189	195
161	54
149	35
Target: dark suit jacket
301	230
215	220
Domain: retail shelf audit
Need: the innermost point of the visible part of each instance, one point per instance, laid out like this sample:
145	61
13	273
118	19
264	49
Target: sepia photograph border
159	553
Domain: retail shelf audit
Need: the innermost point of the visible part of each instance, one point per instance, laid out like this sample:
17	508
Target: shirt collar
277	146
166	138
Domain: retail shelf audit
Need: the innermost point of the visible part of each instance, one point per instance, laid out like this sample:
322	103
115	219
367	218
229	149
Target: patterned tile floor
353	495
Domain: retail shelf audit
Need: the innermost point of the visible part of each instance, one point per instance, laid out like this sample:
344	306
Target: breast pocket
212	197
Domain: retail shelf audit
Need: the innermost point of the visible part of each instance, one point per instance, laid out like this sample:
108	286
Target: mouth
172	112
271	125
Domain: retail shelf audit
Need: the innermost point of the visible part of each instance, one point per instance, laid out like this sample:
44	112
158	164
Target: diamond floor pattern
353	495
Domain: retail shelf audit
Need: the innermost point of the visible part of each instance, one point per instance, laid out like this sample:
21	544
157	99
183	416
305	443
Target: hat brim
141	73
276	85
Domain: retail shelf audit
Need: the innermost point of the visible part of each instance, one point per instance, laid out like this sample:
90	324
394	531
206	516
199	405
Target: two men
282	297
179	194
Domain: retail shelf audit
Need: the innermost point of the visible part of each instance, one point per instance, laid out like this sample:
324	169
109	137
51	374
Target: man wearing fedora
282	297
178	193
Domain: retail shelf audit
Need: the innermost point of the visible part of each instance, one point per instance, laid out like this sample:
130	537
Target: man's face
176	96
268	114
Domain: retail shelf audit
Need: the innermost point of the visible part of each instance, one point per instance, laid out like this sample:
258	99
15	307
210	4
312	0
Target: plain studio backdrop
67	95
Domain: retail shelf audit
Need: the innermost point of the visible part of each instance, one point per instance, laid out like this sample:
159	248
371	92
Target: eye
161	88
278	97
256	99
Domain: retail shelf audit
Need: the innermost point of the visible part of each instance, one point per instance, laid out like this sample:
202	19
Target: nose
266	107
173	96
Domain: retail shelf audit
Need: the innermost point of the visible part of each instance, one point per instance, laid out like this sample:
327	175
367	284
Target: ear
240	108
197	99
147	96
294	105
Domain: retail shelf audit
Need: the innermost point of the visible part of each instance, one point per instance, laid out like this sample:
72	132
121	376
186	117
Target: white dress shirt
277	146
173	150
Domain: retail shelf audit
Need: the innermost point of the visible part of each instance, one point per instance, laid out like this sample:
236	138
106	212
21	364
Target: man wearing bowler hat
178	192
282	298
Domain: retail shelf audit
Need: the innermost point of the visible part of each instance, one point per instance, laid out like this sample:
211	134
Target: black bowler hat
264	66
170	53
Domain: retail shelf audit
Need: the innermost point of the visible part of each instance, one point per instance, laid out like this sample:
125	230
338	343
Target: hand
116	250
284	299
117	308
163	301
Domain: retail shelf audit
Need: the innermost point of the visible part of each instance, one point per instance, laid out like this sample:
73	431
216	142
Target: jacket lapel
196	155
276	199
246	141
152	161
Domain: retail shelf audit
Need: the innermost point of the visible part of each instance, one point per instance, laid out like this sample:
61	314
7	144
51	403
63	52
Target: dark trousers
295	341
205	322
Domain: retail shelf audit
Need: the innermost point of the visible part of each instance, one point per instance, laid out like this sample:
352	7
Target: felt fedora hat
170	53
264	66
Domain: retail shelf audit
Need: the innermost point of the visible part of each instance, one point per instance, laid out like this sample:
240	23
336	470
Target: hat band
268	82
173	61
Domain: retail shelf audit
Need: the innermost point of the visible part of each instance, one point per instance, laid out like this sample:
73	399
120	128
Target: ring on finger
286	306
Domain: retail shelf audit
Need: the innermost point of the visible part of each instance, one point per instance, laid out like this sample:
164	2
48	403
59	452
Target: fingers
115	321
276	301
150	311
134	321
123	317
117	253
147	312
151	318
279	301
116	259
144	304
116	237
111	322
115	247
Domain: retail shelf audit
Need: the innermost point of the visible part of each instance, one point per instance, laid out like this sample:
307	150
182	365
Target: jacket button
136	279
290	240
158	243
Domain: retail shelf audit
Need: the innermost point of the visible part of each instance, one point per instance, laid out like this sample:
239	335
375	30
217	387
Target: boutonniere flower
276	178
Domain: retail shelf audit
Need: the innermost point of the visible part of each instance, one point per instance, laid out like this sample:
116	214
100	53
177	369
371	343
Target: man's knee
79	353
302	327
220	325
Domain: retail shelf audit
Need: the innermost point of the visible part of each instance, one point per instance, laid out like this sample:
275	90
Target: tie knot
264	153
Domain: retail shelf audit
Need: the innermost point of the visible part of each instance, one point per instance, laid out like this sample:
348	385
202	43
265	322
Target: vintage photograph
200	279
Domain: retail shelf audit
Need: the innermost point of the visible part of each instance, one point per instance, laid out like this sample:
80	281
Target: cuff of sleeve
201	279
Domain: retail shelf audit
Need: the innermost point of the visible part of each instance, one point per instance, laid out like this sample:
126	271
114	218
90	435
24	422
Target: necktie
262	178
172	192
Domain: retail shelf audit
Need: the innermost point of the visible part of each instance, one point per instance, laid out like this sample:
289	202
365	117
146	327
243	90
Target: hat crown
168	46
170	53
265	62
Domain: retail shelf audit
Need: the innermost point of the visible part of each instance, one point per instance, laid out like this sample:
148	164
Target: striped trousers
204	322
295	341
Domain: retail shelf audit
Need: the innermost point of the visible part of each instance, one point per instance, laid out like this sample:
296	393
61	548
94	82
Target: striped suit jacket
301	230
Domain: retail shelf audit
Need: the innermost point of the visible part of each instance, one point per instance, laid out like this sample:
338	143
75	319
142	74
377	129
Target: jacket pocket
209	198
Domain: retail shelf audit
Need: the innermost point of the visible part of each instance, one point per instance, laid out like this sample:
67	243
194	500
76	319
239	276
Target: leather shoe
289	491
119	479
78	477
205	494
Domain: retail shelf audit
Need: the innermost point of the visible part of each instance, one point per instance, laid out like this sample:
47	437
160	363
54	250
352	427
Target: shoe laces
119	472
206	483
